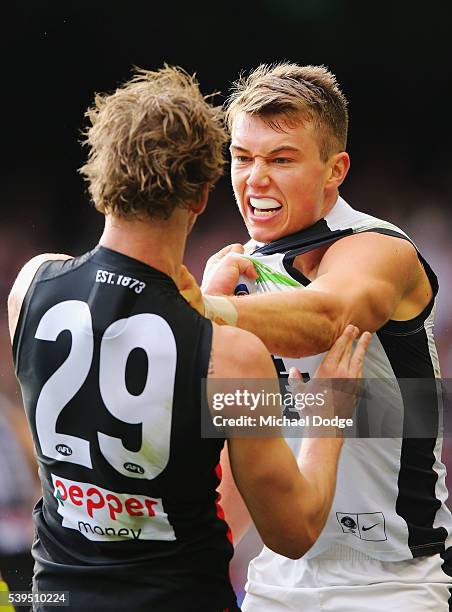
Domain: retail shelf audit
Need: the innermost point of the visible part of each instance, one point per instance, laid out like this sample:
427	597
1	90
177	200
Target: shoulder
237	353
23	282
373	246
27	273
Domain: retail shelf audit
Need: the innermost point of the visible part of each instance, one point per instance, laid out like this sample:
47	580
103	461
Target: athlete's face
280	182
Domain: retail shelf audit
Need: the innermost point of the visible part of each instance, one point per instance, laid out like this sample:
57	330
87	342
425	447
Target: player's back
109	357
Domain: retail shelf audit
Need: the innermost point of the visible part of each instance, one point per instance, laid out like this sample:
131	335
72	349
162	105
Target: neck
308	263
155	242
329	203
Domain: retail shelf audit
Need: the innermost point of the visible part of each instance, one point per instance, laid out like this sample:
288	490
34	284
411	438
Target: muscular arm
364	279
288	503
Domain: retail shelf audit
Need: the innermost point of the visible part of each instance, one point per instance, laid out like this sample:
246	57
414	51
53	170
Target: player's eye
241	159
282	160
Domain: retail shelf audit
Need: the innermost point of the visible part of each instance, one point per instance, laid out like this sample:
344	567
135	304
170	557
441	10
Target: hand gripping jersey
110	359
390	494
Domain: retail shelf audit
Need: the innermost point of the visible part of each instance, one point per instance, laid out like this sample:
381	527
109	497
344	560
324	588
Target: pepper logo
103	515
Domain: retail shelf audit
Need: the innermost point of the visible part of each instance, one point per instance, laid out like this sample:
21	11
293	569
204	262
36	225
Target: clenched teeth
263	204
265	213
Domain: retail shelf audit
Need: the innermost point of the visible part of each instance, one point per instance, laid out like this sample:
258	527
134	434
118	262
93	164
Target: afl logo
63	450
134	468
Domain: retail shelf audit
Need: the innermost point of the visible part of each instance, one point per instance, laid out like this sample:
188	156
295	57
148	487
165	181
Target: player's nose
258	176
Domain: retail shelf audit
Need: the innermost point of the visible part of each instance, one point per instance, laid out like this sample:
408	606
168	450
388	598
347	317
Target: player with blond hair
319	265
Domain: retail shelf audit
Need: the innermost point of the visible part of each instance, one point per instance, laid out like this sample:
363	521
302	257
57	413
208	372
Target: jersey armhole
298	276
24	306
413	325
17	337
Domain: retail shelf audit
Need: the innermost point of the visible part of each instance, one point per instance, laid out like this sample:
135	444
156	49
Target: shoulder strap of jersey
342	221
305	240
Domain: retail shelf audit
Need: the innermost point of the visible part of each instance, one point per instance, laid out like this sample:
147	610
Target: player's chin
261	234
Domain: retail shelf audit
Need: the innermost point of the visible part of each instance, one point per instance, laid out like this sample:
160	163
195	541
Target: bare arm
235	510
292	323
21	285
270	482
364	280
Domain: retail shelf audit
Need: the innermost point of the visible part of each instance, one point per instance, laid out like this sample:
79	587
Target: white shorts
344	580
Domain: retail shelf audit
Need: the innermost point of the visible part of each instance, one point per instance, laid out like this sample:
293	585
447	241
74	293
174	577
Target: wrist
324	431
220	310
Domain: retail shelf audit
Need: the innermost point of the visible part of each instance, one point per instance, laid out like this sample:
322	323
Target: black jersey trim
416	324
409	327
446	555
293	272
307	235
416	502
306	240
428	270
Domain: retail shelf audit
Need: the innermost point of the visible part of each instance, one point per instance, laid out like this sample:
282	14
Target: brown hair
153	145
291	92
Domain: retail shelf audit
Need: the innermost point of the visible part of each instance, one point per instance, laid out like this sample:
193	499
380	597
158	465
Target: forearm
318	462
292	324
288	503
235	511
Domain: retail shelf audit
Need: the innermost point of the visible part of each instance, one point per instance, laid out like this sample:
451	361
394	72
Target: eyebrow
272	152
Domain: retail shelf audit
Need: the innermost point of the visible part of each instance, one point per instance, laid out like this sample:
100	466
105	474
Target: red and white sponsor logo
103	515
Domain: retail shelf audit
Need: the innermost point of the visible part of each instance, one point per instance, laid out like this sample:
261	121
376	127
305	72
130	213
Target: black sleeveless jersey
110	358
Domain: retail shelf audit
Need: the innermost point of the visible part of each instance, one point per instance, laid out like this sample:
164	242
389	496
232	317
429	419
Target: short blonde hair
153	145
287	93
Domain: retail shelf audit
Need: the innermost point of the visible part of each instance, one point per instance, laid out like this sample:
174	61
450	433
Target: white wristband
220	310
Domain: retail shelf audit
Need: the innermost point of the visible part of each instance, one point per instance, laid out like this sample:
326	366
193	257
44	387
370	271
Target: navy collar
305	240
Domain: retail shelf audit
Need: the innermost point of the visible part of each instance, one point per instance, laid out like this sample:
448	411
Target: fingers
224	278
295	374
246	267
186	279
357	359
242	265
236	248
189	289
341	350
295	380
183	278
230	248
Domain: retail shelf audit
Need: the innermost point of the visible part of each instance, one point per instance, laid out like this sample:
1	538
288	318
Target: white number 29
152	407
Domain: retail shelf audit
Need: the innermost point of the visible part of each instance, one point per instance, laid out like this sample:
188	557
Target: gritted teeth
264	203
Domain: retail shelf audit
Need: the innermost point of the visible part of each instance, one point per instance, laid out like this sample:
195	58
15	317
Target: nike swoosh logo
371	527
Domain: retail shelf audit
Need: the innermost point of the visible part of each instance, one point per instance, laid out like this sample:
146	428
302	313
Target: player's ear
199	205
339	165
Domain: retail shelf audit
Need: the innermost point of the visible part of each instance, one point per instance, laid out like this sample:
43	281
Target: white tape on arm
220	310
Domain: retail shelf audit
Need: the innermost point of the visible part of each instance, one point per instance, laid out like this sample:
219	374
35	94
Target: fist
224	270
